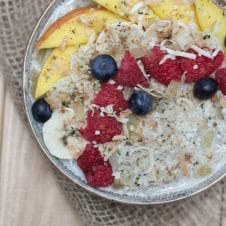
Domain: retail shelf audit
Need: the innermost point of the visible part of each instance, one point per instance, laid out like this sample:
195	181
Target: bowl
156	195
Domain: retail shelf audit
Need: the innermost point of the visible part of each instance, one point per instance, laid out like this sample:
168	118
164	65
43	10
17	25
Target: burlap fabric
17	19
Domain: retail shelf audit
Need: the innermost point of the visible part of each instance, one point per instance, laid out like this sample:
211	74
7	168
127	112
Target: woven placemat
17	19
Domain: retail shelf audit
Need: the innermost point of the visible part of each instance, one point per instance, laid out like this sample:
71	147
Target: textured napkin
17	19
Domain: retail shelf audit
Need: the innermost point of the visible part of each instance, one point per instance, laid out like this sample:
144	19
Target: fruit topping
100	128
205	88
221	79
103	67
41	111
97	171
201	67
129	73
100	176
140	102
61	136
90	157
162	70
110	95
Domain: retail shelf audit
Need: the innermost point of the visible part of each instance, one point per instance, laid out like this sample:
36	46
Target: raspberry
164	73
90	157
201	67
100	176
109	95
100	129
129	73
97	172
221	79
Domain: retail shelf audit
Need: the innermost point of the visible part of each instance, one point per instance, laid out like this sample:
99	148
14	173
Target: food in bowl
135	93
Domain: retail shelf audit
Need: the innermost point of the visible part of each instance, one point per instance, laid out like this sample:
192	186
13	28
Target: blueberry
41	111
103	67
205	88
141	102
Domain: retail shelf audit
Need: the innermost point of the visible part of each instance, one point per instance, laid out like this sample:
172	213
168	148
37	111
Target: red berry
221	79
90	157
97	171
109	95
100	129
201	67
100	176
129	73
164	73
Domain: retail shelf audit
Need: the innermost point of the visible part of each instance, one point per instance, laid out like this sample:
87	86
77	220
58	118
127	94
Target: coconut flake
152	43
136	7
119	138
151	164
111	82
216	51
179	53
167	57
97	132
140	22
195	67
119	88
202	52
141	66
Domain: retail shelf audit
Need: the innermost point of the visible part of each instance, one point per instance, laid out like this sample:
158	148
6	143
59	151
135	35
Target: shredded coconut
141	66
167	57
119	87
195	67
179	53
97	132
111	82
136	7
202	52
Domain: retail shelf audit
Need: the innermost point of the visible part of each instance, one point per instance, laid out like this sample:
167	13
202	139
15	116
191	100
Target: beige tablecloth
29	194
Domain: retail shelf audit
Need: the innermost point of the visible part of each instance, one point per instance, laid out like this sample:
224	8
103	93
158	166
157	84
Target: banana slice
61	135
